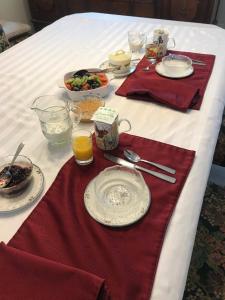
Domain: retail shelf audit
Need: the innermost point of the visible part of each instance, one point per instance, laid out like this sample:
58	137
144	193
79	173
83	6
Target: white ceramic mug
107	135
107	122
161	37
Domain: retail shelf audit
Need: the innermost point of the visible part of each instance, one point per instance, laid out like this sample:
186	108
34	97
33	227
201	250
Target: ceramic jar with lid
120	59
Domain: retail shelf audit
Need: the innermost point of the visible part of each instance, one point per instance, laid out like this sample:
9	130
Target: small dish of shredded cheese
88	107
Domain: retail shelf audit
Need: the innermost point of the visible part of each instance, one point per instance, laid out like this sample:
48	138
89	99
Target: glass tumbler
82	146
136	40
74	112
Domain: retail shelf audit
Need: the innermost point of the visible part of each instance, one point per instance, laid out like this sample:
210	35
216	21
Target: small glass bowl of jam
21	173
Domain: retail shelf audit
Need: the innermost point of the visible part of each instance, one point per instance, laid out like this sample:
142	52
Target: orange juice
82	148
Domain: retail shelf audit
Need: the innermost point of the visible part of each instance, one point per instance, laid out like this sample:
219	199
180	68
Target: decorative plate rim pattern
90	202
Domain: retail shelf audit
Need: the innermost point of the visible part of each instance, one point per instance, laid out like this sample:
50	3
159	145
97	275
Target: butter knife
126	163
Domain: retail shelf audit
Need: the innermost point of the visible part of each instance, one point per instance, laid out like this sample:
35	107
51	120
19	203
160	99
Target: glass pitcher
54	117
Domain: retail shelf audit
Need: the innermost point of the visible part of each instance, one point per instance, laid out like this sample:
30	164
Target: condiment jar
120	59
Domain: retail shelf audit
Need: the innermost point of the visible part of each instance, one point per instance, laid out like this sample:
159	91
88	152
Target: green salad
85	81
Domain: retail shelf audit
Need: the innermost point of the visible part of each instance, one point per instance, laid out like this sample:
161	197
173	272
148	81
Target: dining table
37	65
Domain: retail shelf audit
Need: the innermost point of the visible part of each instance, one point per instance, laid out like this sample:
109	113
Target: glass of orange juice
82	146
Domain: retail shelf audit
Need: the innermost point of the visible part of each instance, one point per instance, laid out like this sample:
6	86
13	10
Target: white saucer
118	198
27	197
161	71
106	65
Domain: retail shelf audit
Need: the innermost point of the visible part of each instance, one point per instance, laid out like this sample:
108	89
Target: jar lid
120	57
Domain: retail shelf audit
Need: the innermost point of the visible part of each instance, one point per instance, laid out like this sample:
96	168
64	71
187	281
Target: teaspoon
6	176
134	157
152	61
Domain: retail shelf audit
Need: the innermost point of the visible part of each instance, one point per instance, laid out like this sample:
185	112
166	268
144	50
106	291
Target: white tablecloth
33	68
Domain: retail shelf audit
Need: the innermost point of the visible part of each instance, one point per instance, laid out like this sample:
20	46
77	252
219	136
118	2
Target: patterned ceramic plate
26	197
118	196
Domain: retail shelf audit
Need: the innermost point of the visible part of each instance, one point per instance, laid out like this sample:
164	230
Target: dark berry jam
18	173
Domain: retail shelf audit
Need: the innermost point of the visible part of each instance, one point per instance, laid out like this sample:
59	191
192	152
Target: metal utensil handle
198	63
106	70
19	148
162	167
156	174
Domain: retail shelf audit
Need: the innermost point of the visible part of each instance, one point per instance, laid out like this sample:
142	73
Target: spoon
84	72
152	61
6	177
134	157
146	68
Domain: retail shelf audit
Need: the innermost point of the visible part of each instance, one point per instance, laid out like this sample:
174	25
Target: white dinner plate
27	197
117	197
106	65
161	71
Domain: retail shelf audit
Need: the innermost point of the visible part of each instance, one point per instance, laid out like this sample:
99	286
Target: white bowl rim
178	57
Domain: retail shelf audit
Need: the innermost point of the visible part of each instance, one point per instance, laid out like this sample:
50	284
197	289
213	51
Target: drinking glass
82	146
74	112
152	50
136	40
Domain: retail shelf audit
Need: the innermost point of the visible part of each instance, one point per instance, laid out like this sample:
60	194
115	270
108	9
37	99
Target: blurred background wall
221	14
15	10
18	10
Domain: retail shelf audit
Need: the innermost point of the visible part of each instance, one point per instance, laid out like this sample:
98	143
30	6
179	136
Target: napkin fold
174	94
27	276
181	94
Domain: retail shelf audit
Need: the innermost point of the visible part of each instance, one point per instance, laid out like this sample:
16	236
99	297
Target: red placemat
181	94
61	229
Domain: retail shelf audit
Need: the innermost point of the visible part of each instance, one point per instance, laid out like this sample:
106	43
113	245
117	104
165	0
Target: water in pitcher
54	118
56	131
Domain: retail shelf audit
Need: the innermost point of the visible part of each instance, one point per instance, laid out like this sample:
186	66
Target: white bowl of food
176	64
82	83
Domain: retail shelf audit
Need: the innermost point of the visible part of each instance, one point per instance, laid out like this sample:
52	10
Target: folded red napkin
181	94
61	229
27	276
178	95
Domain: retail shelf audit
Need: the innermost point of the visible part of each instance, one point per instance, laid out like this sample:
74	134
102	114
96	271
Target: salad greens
85	81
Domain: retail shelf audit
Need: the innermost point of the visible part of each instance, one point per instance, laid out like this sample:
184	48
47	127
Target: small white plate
118	196
161	71
25	198
106	65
